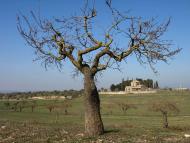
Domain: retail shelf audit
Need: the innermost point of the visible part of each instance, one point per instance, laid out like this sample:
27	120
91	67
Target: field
136	125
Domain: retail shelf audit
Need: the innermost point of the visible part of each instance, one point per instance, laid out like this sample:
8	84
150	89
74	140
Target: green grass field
137	125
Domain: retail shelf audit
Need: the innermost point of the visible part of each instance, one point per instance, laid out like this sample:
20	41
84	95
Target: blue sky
18	72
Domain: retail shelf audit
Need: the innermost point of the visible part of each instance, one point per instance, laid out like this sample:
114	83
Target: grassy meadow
140	124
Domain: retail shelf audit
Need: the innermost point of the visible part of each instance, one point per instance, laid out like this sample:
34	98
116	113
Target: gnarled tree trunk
93	121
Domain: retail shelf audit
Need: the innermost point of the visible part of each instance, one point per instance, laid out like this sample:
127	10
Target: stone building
135	86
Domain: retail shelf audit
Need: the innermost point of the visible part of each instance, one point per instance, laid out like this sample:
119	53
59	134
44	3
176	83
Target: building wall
126	93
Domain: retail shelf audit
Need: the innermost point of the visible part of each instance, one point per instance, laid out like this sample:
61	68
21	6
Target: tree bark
93	122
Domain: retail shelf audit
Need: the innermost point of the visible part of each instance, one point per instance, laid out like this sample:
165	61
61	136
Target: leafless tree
164	107
33	105
65	105
75	40
50	107
7	105
109	107
126	106
15	106
22	104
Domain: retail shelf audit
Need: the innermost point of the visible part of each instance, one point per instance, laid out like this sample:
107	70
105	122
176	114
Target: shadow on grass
111	131
95	138
179	128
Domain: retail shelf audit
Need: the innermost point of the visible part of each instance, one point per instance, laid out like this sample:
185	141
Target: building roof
135	81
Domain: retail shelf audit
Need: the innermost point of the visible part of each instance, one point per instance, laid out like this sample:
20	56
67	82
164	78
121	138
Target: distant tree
128	82
58	108
165	107
112	87
109	107
156	86
50	107
7	104
148	83
140	80
15	106
124	107
122	84
33	105
66	104
57	114
74	40
22	104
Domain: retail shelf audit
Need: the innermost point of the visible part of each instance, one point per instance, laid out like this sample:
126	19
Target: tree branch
86	27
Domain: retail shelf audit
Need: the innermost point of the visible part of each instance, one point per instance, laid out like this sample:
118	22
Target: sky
18	71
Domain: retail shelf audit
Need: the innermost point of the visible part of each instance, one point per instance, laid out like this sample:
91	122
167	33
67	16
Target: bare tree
66	104
109	107
74	40
22	104
7	105
33	105
126	106
164	107
15	106
50	107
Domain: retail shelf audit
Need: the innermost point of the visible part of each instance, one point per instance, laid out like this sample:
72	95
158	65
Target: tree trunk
165	120
66	112
20	109
93	122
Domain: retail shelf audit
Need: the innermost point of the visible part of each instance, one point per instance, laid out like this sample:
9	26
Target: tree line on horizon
30	94
149	83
